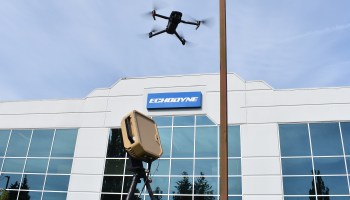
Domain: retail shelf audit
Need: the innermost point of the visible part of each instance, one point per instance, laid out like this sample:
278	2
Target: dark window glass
206	167
301	198
18	145
294	140
4	136
157	197
181	185
163	121
1	159
234	185
35	165
57	182
203	120
345	128
330	165
40	144
115	147
54	196
110	196
64	143
180	197
13	181
112	184
205	185
61	166
161	167
234	167
32	195
13	165
33	182
297	185
160	185
297	166
183	140
184	121
127	185
180	166
207	142
165	138
114	166
236	198
348	163
234	141
335	184
325	138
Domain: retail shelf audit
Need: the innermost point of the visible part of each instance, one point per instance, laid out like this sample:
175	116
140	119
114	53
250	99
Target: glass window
161	167
234	166
1	159
13	165
32	182
64	143
4	136
301	198
234	185
207	142
325	138
345	128
18	145
40	145
57	182
297	185
181	185
237	198
13	181
115	147
35	165
127	185
54	196
234	141
61	166
160	185
296	166
181	166
206	167
332	185
330	165
163	121
184	121
110	196
203	120
114	166
206	185
183	140
112	184
294	140
165	139
30	194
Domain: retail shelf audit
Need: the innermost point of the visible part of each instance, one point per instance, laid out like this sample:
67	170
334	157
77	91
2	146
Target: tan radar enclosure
140	137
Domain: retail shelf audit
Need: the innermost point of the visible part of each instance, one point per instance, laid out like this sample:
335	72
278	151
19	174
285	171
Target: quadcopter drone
174	20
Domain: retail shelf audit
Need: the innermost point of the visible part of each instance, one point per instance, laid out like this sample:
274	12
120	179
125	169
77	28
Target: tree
320	186
183	186
4	195
13	193
201	186
158	191
24	194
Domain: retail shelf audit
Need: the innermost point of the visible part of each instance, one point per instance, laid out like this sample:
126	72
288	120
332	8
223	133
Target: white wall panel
88	166
83	196
261	166
85	183
259	185
262	197
259	140
91	143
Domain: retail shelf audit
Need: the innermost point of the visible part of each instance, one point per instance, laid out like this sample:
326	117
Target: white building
282	143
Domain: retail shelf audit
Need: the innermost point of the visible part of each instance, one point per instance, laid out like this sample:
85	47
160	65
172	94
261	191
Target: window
36	164
314	161
189	166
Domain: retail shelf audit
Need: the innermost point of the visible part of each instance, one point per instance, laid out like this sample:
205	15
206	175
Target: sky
59	49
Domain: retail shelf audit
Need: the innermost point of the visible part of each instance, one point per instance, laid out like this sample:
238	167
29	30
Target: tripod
139	172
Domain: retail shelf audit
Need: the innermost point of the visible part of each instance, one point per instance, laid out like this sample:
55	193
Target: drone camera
140	137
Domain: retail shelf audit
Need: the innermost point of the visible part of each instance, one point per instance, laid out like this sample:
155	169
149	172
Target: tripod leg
149	189
131	193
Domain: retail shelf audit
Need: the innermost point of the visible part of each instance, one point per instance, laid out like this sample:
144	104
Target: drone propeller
208	22
157	5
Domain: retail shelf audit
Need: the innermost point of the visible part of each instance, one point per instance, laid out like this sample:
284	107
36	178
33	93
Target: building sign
174	100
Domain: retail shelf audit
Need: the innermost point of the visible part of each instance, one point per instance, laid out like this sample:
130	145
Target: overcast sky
53	49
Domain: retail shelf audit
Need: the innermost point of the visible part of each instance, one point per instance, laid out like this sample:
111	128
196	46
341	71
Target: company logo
174	100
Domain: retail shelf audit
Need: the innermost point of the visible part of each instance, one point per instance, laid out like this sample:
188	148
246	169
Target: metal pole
223	104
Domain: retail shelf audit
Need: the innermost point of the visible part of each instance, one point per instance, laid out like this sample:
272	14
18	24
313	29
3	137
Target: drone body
173	21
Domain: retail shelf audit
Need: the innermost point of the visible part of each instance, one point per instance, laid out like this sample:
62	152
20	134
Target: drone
173	21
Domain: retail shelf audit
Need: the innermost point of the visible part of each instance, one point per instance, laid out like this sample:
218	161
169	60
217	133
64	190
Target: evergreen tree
320	186
24	194
158	191
183	186
12	194
4	195
201	186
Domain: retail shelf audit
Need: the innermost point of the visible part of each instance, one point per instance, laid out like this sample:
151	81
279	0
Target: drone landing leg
183	41
156	33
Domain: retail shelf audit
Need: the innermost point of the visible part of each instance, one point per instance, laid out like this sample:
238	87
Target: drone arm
154	15
198	23
183	41
156	33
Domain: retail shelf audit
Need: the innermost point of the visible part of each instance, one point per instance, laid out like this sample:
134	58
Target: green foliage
4	195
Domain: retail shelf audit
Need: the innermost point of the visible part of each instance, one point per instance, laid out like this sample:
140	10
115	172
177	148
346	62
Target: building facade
283	144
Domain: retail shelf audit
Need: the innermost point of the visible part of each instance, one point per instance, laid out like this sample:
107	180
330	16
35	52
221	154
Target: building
283	144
